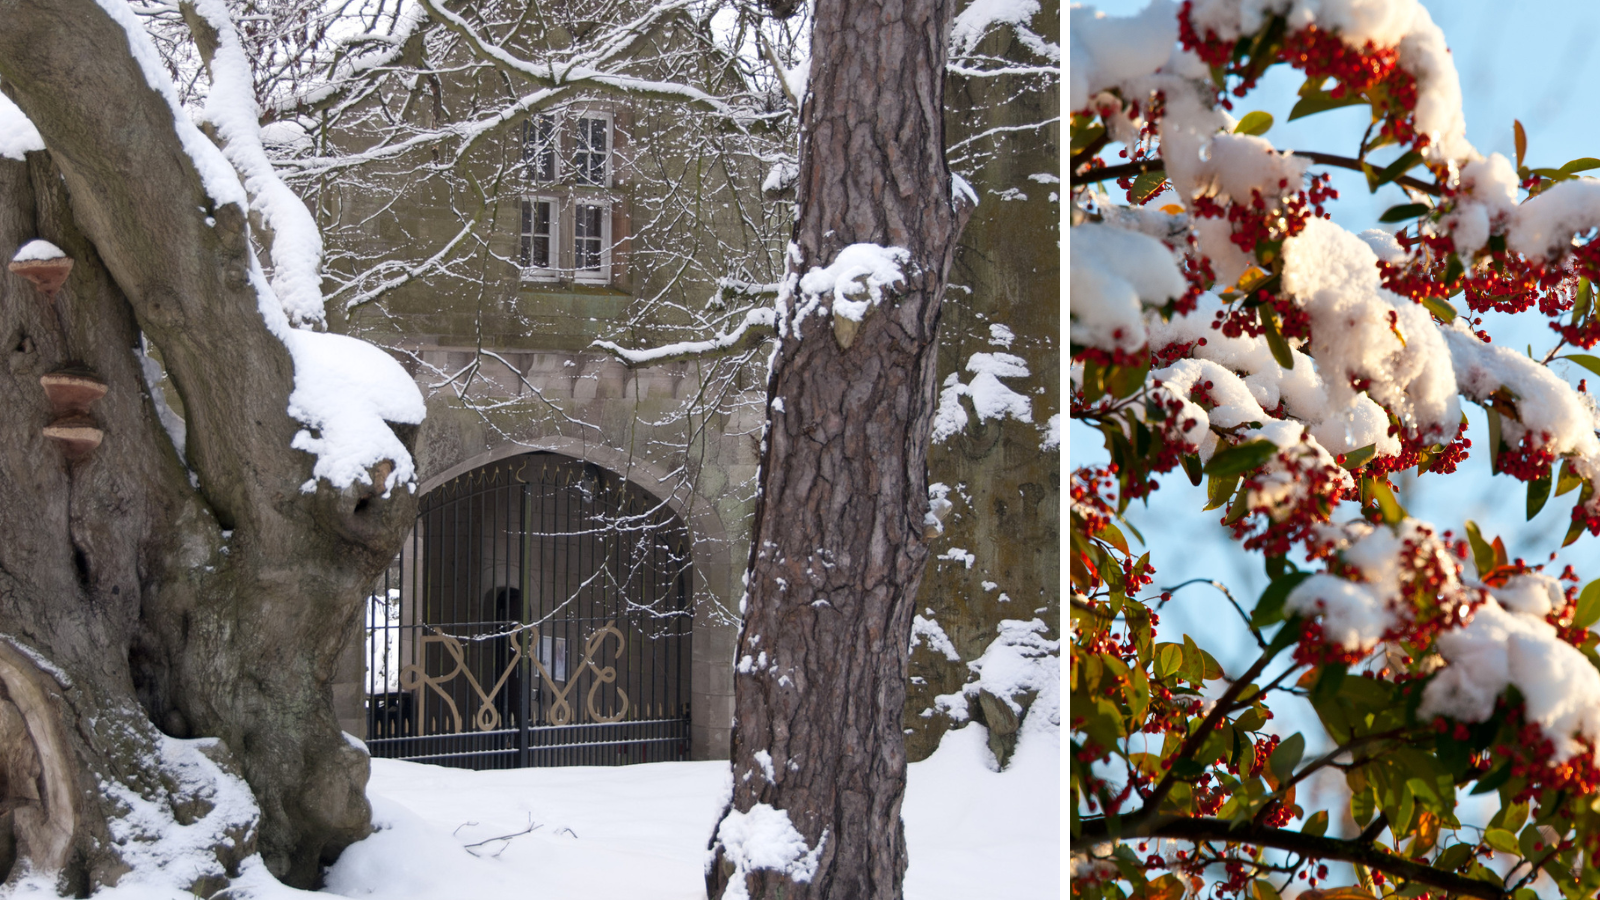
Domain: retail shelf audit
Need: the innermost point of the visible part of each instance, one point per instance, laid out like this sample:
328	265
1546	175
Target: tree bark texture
143	592
838	546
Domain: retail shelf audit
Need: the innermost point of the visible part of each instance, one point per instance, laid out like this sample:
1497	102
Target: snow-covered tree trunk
818	753
150	600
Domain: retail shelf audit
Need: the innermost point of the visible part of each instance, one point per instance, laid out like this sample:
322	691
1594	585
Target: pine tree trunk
144	595
838	550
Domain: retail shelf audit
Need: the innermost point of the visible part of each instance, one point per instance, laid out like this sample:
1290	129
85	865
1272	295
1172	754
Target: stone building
571	592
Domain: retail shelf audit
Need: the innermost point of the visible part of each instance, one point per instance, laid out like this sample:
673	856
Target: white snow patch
856	279
765	839
927	629
1499	648
18	137
345	391
38	249
1115	273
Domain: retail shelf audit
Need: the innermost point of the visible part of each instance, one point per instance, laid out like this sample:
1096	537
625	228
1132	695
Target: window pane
541	251
587	236
539	147
589	160
527	217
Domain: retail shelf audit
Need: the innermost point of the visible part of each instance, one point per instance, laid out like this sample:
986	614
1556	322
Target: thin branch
1200	829
1322	159
1190	746
1254	632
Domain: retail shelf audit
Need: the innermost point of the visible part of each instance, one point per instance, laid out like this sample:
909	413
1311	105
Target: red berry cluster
1529	459
1369	71
1317	487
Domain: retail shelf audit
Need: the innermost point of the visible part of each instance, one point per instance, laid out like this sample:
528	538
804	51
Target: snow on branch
617	44
756	327
296	243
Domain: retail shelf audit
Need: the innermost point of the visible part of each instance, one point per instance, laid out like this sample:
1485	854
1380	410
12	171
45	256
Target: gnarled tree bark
838	550
146	595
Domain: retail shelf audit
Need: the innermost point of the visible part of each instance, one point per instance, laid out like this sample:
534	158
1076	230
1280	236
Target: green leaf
1581	164
1169	659
1539	492
1493	780
1363	804
1312	104
1405	211
1147	185
1317	825
1502	840
1082	138
1275	341
1287	756
1256	123
1393	512
1219	490
1269	609
1441	310
1588	611
1262	889
1568	479
1453	269
1453	857
1592	363
1124	381
1405	163
1493	415
1482	553
1357	458
1521	140
1191	468
1241	458
1583	299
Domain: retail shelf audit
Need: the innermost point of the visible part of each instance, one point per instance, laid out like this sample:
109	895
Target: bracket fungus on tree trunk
44	264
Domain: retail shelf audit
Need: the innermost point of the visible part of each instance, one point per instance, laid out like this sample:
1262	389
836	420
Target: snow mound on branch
1299	389
1106	50
1115	273
764	838
345	390
1500	648
231	107
1360	331
1355	614
1559	418
1543	226
1402	24
38	250
1487	199
217	175
18	137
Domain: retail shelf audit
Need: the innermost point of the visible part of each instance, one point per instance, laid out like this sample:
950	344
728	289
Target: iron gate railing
538	615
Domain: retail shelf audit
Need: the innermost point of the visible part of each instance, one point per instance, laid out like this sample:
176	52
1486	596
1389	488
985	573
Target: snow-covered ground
641	832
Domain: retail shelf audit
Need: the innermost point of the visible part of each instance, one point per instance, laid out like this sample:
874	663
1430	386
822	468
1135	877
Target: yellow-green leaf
1255	122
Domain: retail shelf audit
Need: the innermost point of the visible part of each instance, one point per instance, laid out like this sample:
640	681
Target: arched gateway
539	614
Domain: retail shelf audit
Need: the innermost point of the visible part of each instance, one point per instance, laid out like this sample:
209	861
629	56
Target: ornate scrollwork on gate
523	643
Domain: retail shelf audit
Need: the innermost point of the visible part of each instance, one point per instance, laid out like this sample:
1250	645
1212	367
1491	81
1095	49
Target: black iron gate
539	615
